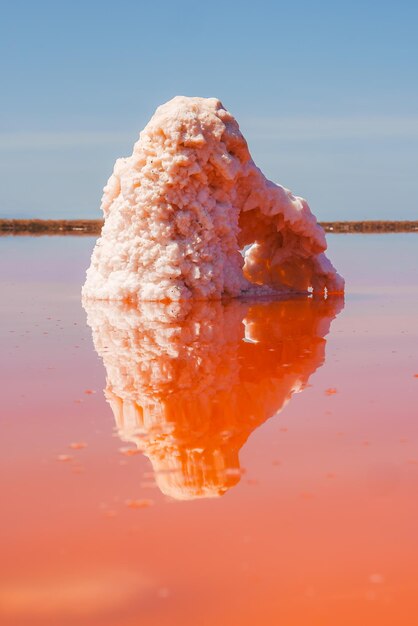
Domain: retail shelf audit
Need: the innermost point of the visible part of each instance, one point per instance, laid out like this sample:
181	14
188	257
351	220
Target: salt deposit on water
180	210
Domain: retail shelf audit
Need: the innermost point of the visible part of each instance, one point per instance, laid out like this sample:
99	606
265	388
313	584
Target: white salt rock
180	210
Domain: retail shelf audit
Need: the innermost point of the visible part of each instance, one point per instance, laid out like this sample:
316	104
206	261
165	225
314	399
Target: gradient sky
325	93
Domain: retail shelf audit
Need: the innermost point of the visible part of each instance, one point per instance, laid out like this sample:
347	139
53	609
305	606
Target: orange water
249	463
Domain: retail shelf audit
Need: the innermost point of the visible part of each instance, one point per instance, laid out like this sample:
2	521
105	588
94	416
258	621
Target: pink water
317	459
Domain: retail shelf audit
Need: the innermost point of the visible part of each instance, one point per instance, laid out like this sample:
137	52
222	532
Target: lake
232	463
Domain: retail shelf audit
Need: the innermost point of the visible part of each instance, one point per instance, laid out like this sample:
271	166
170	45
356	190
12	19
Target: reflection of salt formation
189	382
180	209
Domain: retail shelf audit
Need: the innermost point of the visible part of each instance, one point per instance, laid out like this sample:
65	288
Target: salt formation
189	381
180	210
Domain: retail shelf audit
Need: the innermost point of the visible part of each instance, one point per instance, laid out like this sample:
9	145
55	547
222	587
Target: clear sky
326	94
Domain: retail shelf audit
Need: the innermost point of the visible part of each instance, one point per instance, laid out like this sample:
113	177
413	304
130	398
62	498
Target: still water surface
239	464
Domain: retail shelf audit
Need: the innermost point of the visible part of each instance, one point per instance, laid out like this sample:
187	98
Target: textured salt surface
179	211
189	382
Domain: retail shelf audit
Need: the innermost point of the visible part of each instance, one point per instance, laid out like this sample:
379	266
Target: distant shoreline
37	227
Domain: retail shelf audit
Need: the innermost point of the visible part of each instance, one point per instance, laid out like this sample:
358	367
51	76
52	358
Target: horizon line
92	227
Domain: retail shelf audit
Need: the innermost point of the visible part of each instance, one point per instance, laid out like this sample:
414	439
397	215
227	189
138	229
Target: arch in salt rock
182	207
188	382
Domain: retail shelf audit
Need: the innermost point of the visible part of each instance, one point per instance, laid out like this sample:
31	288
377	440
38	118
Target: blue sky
325	93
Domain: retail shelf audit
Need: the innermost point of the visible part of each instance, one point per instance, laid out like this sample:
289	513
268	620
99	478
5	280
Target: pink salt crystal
182	207
376	579
139	504
129	451
150	484
78	445
306	495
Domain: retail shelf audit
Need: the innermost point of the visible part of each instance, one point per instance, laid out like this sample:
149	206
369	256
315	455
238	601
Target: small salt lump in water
190	216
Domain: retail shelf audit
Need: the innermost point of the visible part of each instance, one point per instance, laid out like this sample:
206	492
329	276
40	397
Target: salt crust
182	207
188	382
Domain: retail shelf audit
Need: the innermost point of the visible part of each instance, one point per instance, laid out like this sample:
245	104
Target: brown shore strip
93	227
50	227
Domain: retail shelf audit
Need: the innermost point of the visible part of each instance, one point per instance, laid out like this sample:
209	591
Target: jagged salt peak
180	211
